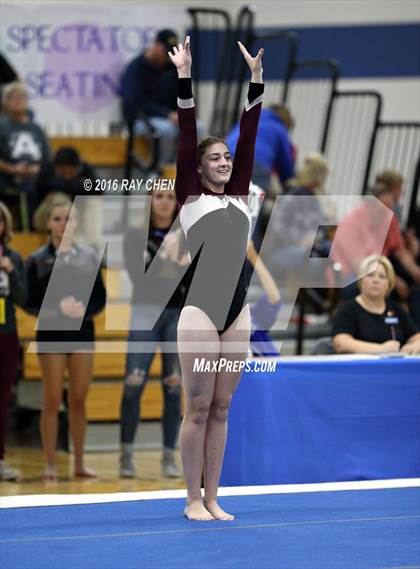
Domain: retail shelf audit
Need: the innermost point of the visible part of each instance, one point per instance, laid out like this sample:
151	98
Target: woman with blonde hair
299	219
371	323
313	174
13	291
65	329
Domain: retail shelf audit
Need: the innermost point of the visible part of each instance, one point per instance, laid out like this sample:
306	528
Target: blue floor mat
360	529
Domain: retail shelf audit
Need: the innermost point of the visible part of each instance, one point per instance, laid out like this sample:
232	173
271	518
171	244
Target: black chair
133	159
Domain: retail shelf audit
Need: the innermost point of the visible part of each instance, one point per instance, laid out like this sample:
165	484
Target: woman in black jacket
65	292
13	291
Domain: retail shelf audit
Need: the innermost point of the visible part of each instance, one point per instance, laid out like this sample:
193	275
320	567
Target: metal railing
221	21
349	138
285	43
412	219
308	93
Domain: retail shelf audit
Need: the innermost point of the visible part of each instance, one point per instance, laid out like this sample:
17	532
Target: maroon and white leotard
216	225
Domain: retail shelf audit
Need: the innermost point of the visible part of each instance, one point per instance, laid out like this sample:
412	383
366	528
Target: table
325	419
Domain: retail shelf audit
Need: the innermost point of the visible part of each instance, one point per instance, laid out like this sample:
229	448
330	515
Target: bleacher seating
100	151
25	242
107	151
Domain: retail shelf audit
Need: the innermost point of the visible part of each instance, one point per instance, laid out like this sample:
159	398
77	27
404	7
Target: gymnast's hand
254	63
181	58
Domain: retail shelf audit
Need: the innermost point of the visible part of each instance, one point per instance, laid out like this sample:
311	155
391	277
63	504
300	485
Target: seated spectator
149	86
360	236
273	147
66	174
371	323
263	312
292	230
395	182
23	145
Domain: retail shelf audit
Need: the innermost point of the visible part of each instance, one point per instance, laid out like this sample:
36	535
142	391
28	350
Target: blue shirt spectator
273	149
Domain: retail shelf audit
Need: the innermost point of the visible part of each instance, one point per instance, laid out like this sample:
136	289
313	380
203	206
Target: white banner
71	55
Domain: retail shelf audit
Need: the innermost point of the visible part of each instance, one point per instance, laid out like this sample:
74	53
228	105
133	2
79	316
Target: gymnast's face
216	164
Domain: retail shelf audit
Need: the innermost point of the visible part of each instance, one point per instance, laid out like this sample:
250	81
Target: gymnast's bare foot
84	472
197	511
217	512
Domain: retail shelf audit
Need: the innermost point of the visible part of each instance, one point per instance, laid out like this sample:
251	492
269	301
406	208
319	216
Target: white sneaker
7	472
127	466
169	467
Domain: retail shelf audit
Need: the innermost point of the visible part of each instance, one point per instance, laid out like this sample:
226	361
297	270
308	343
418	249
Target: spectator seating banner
71	55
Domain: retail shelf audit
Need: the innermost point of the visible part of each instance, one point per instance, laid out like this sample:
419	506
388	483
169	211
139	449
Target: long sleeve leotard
216	225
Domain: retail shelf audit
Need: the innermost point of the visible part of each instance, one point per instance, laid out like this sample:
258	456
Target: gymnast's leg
195	326
216	432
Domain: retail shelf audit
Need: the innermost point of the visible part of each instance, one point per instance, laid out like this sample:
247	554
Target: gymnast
214	215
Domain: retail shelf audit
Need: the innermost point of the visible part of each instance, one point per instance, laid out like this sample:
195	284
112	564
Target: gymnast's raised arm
244	153
187	180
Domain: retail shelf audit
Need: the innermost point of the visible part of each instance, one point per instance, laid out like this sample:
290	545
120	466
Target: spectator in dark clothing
65	328
153	244
13	290
66	174
273	148
371	323
23	145
149	87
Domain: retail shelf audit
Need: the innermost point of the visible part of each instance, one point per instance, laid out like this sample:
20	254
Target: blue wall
362	51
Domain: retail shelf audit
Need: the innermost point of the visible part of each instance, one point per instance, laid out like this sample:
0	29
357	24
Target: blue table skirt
319	421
